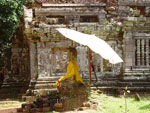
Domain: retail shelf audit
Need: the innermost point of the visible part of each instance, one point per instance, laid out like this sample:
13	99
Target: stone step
136	79
134	84
106	90
54	90
130	88
48	78
137	88
106	83
106	79
109	79
45	82
45	86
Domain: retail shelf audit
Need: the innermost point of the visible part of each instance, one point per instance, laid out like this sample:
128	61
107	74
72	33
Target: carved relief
44	60
82	58
59	60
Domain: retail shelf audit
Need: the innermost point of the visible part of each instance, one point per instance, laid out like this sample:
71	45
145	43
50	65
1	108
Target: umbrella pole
90	58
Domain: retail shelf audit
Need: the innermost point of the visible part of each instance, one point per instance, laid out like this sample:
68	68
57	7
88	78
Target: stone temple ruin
39	52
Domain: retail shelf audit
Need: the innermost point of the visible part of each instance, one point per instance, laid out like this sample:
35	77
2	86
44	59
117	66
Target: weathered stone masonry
40	53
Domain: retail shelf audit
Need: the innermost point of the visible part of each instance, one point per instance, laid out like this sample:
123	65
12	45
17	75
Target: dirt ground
11	110
14	110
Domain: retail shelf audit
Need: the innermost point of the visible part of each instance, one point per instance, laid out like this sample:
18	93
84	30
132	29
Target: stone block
45	105
38	112
124	8
45	99
39	109
26	110
129	35
33	110
58	106
23	105
130	24
28	14
86	105
72	103
83	108
19	110
30	98
46	109
27	30
94	106
34	106
15	50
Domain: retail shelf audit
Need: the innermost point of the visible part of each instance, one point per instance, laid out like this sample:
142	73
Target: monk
72	68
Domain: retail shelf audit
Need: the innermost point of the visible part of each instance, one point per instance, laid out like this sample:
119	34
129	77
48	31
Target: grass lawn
111	104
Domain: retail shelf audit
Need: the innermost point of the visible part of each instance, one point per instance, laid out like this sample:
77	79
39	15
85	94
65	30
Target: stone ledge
72	5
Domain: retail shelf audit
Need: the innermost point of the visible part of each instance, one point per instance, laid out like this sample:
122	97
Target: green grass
111	104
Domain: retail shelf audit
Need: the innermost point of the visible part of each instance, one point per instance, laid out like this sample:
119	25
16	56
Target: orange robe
72	71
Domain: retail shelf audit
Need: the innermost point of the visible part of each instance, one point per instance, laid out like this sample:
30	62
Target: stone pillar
138	52
143	51
33	61
147	52
128	51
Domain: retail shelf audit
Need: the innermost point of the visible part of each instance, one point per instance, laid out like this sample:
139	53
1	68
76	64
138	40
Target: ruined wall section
20	58
136	46
17	67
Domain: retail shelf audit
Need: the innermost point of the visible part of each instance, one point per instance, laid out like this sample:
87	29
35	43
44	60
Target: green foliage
10	13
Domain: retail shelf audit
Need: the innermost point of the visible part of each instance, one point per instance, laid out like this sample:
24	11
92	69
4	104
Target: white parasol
94	43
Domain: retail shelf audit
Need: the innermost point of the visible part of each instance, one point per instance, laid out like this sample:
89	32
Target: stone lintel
73	5
65	13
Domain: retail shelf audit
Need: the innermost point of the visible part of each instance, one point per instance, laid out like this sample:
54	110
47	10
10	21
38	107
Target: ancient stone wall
51	45
41	51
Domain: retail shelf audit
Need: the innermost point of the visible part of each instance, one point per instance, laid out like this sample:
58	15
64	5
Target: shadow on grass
145	107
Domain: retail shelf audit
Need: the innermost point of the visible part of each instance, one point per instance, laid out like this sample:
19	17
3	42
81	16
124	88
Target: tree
10	13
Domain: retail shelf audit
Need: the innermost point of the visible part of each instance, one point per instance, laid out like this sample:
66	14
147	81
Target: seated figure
72	68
